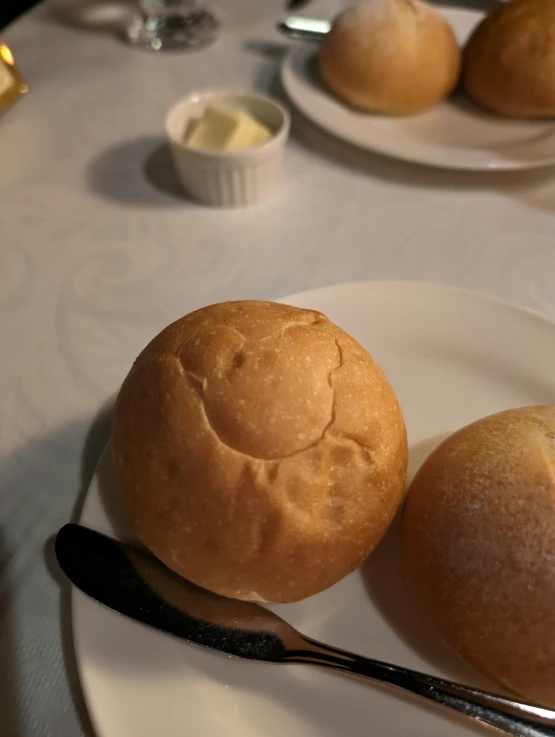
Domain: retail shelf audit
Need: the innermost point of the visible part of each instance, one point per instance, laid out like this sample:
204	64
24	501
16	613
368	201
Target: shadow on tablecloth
137	172
10	707
38	485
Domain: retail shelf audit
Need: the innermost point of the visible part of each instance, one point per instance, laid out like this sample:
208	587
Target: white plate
452	357
456	134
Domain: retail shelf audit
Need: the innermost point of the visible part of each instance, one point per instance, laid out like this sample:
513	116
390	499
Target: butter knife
140	587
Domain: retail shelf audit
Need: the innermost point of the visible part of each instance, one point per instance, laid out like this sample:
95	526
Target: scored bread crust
399	58
259	450
509	60
478	537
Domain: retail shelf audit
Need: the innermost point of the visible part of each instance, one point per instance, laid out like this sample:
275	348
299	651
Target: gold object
12	84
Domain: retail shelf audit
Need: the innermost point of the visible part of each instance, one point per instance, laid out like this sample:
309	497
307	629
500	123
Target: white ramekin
228	179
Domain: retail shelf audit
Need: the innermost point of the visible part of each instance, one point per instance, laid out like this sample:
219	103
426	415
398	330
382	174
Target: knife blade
142	588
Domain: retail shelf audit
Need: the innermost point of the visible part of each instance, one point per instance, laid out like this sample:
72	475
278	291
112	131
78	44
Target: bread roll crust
479	546
509	60
397	57
259	450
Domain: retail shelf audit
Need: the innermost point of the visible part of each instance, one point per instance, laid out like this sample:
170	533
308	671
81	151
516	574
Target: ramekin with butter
228	146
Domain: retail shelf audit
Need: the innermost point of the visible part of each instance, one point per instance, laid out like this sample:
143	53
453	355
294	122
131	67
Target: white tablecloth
98	252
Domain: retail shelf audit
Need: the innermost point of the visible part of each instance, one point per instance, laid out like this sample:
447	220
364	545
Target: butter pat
221	129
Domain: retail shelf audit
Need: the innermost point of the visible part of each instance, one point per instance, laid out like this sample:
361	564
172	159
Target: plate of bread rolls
259	449
442	86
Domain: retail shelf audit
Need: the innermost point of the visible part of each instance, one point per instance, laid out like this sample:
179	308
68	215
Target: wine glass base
173	32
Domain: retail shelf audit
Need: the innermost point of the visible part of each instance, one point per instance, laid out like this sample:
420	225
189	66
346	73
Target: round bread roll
509	61
259	450
390	56
479	545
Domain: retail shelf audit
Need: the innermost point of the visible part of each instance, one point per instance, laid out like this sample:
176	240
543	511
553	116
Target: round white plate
452	358
456	134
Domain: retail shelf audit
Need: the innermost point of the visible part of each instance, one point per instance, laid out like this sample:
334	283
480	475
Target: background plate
452	357
455	134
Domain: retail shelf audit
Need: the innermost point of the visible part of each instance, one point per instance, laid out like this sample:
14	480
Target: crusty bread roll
509	60
259	450
479	545
390	56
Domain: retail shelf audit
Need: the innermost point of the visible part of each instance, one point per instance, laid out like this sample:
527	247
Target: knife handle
512	717
308	29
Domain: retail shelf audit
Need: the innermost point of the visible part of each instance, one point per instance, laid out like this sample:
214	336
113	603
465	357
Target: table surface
98	251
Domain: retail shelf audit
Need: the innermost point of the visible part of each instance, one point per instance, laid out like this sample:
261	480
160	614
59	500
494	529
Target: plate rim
492	301
464	292
306	49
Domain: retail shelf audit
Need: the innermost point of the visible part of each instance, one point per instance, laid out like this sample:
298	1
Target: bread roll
259	450
397	57
509	61
479	546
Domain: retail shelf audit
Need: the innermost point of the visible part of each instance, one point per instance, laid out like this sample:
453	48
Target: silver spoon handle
507	715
